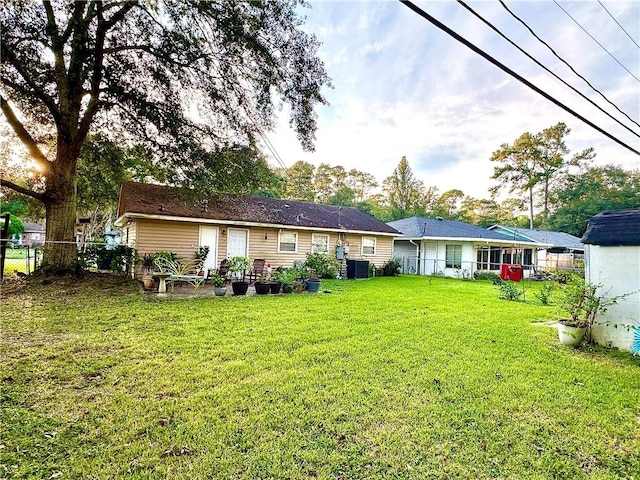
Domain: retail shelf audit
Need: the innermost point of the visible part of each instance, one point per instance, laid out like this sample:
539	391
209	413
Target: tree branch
35	89
22	190
24	136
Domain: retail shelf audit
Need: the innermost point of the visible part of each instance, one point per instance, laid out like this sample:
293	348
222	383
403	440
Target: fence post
4	235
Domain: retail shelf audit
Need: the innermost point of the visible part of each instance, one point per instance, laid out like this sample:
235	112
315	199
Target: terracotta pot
148	283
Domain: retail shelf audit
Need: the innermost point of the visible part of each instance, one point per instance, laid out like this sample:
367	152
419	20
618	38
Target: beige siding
384	249
182	238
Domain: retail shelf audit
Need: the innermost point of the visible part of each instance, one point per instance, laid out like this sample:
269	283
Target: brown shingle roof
158	200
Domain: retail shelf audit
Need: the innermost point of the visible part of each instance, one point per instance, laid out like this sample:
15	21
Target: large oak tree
180	78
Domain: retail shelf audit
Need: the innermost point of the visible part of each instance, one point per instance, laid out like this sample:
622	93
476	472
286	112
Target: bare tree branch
9	55
22	190
24	136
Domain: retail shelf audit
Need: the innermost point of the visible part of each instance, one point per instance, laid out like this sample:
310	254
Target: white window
287	241
368	246
319	243
454	256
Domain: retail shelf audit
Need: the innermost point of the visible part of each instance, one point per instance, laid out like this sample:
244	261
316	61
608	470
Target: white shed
612	260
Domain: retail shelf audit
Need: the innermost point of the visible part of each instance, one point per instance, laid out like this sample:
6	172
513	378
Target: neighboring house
33	235
562	253
612	261
155	218
448	247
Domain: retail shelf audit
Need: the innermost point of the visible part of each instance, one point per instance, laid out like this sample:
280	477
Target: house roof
614	227
436	228
556	239
173	203
33	227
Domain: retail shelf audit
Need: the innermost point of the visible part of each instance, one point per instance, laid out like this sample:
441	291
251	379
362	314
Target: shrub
544	295
391	268
494	277
509	291
322	265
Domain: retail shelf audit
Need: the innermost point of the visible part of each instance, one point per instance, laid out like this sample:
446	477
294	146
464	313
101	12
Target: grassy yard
389	378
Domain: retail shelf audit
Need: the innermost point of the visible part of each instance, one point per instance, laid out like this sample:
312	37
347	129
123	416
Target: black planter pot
240	288
275	287
287	288
262	288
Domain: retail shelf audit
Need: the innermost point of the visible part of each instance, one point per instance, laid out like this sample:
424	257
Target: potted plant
320	265
286	276
237	266
201	256
582	302
147	272
218	283
263	283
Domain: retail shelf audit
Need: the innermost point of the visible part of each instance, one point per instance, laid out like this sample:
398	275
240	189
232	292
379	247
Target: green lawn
389	378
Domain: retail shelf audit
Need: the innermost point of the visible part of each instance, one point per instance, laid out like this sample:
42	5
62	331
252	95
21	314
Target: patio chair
223	270
257	270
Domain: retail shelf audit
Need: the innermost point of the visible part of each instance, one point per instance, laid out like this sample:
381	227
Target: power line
614	19
495	29
564	61
592	38
506	69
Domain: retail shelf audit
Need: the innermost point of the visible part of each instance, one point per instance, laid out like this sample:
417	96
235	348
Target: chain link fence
25	259
467	269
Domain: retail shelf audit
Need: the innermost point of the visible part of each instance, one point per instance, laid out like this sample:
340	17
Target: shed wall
617	269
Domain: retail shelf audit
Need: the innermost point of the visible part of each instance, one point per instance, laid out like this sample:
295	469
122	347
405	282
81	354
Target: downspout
417	256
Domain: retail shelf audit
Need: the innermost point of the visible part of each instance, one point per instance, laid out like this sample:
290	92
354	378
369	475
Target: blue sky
404	87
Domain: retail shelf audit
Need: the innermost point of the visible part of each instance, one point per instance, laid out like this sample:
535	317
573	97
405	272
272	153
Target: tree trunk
60	248
531	208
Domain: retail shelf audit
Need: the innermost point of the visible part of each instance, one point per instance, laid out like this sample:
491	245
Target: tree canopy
182	79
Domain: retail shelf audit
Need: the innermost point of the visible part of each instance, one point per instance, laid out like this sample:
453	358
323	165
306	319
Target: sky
402	87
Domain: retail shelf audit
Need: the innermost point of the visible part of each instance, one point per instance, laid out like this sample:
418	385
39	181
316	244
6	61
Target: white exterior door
237	241
209	238
429	258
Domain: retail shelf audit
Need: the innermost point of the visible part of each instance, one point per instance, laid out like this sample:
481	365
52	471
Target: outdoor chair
257	270
223	271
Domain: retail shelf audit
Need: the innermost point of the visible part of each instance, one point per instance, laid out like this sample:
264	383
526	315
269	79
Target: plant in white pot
583	303
237	266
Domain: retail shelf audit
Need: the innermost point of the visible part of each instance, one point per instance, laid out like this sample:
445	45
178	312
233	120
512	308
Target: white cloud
402	87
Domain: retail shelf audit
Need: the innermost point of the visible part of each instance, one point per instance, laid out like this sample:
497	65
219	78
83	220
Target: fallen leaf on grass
56	474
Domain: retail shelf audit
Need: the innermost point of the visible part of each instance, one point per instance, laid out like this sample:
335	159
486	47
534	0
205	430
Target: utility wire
564	61
614	19
495	29
592	38
506	69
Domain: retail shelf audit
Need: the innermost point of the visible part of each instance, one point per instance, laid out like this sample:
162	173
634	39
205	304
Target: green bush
391	268
509	291
322	265
494	277
119	259
544	294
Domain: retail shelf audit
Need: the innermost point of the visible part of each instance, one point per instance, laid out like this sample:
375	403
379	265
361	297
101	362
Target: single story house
565	249
431	246
160	218
33	235
612	261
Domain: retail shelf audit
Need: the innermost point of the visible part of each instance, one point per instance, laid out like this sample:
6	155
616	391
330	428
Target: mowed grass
407	377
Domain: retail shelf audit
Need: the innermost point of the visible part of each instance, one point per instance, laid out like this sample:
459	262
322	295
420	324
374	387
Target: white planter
570	336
